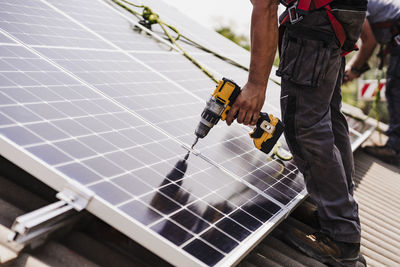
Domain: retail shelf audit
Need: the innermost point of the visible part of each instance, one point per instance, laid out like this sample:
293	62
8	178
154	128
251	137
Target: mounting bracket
34	227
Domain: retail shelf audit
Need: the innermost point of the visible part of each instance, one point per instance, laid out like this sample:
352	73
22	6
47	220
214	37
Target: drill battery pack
267	132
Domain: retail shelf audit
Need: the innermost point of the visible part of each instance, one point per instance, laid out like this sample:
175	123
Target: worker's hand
247	105
349	75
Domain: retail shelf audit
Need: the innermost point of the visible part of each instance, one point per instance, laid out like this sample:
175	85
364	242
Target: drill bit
195	141
186	156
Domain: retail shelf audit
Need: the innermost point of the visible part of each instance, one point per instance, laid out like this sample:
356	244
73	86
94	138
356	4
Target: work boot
362	260
322	248
384	153
307	213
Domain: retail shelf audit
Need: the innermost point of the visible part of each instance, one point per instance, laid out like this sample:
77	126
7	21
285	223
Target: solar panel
86	97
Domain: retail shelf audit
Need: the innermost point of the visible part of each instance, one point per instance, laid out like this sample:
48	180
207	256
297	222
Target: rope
149	18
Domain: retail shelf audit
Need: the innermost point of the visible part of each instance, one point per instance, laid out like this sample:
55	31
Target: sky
213	13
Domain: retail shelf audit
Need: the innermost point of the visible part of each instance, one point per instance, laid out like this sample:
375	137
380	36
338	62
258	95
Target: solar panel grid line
212	192
72	48
10	44
241	180
258	236
77	160
198	235
254	170
205	230
275	184
8	150
112	6
59	140
119	49
18	17
144	52
148	239
238	154
43	120
83	82
158	37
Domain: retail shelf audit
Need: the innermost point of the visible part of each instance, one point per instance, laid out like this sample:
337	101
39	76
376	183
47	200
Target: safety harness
296	9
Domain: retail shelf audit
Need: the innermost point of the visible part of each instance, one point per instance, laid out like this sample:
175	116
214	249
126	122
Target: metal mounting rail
34	227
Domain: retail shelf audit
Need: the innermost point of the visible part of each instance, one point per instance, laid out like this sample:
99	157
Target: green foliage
241	40
349	95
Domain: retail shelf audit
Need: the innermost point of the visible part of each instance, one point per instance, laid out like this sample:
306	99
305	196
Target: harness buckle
397	39
293	15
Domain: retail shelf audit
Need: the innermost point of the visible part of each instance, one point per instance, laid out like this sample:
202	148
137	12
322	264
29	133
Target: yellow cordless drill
268	128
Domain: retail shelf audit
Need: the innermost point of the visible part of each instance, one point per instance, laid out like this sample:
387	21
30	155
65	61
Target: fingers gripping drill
268	128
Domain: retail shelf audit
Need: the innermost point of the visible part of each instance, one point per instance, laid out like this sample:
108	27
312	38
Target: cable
149	18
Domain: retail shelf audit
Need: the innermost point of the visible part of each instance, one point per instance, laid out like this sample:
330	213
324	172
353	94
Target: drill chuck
202	130
209	117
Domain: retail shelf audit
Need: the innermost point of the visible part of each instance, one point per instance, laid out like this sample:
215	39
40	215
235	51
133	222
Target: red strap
304	5
321	3
285	19
337	27
345	53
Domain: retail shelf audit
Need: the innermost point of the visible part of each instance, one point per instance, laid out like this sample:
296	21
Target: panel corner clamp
75	195
34	227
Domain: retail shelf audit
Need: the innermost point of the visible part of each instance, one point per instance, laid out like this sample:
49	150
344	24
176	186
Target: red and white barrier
367	88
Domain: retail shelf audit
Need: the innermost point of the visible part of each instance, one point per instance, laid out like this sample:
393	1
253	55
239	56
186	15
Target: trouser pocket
304	59
351	21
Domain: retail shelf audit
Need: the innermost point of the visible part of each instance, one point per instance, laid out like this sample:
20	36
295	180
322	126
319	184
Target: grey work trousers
316	131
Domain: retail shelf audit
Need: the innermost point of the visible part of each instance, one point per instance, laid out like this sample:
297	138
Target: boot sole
329	260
